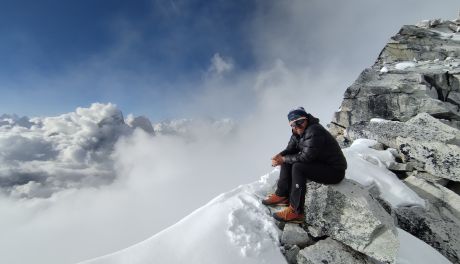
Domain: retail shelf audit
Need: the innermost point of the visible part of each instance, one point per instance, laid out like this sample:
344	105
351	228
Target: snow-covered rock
417	79
347	213
141	122
424	139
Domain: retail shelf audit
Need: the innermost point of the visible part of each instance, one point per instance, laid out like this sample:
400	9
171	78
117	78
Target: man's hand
277	160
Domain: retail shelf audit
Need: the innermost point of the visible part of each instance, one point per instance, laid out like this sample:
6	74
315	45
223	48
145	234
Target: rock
331	252
293	234
454	186
435	227
399	93
347	213
141	122
422	139
429	177
439	158
436	194
395	166
422	127
291	254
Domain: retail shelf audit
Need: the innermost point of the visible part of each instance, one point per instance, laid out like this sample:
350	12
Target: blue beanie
297	113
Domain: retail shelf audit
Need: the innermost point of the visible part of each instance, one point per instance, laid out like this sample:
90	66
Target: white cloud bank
44	155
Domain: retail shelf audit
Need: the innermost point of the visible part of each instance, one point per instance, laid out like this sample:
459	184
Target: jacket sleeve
311	147
291	147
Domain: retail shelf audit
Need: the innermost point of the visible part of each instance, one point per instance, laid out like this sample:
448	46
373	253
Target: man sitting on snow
312	154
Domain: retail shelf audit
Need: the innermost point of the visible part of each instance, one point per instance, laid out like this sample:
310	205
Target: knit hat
296	113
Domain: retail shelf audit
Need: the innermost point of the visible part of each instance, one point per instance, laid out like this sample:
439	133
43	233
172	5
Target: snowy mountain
236	228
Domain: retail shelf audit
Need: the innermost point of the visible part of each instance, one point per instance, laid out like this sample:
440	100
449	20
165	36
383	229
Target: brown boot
274	199
289	215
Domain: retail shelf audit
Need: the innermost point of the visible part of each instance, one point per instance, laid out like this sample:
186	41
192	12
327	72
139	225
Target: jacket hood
312	120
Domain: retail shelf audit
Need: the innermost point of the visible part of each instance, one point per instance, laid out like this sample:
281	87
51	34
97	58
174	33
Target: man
312	154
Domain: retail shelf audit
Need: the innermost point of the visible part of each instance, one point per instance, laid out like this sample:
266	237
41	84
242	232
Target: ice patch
405	65
378	120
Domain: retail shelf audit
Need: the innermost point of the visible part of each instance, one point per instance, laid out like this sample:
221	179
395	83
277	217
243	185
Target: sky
155	57
251	61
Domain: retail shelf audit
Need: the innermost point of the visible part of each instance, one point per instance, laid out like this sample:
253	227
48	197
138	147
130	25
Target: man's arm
291	147
310	150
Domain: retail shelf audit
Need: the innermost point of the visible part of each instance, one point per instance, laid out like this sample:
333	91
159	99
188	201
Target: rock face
347	213
409	100
330	251
417	71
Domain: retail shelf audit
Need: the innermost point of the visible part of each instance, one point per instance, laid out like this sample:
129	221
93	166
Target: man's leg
301	172
284	182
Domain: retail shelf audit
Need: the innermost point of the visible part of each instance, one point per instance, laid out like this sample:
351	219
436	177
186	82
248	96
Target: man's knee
299	168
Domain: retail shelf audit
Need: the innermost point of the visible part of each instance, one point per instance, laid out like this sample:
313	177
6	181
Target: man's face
299	125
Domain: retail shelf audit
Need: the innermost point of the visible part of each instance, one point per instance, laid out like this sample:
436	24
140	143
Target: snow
233	228
236	228
377	120
368	167
404	65
384	69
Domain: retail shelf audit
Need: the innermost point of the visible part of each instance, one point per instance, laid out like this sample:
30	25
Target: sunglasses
298	123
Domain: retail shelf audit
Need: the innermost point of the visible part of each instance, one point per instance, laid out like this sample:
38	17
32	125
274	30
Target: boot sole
297	221
277	204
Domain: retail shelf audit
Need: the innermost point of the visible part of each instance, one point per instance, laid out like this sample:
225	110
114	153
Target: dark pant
293	180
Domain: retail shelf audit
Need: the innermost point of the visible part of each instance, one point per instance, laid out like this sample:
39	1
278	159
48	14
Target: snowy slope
232	228
236	228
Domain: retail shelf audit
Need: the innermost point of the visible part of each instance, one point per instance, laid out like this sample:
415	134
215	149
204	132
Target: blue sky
136	52
155	57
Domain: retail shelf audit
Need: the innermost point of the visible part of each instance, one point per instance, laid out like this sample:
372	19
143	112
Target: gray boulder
331	252
439	158
291	254
347	213
293	234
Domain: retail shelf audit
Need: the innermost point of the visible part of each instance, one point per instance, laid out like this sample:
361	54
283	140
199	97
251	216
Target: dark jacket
316	144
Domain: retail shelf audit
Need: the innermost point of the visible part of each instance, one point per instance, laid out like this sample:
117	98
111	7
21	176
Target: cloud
42	156
115	188
220	65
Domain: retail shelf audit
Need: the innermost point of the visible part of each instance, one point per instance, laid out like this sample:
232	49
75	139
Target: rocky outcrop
141	122
409	100
347	213
417	71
